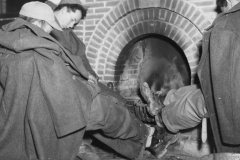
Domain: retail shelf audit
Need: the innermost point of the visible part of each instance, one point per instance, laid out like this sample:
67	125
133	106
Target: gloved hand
141	112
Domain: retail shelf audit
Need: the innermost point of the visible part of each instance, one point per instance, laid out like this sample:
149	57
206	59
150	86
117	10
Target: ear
37	23
231	3
64	10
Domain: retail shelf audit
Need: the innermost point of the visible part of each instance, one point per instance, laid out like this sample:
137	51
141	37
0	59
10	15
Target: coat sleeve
80	50
225	76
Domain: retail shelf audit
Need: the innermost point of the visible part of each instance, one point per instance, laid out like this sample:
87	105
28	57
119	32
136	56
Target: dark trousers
122	131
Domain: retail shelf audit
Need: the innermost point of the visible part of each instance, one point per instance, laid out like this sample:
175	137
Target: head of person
70	12
226	5
39	14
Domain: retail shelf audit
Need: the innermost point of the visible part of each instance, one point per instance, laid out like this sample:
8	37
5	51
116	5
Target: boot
161	139
87	152
154	103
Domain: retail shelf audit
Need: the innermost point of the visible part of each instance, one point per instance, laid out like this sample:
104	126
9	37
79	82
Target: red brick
105	24
151	14
111	3
178	21
157	26
117	12
112	15
102	61
79	34
182	41
107	44
168	15
92	52
134	17
89	22
193	32
200	20
185	9
111	60
125	24
99	40
130	21
173	18
162	29
120	26
78	28
102	10
95	5
94	44
100	72
136	3
103	55
189	27
131	34
168	29
135	30
109	72
117	30
178	37
204	3
88	28
109	20
109	39
90	11
145	27
88	33
119	44
91	61
156	13
121	9
184	24
179	6
140	15
190	12
131	5
163	14
195	16
140	28
95	16
124	39
163	3
102	29
100	35
108	78
173	32
126	7
126	36
104	49
121	40
151	27
145	14
174	5
113	34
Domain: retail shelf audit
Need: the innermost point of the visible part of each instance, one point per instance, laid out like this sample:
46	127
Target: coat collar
233	9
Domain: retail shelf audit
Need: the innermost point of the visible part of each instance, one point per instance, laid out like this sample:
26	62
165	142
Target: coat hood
21	35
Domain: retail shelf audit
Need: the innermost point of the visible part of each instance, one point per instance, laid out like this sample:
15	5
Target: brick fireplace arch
176	19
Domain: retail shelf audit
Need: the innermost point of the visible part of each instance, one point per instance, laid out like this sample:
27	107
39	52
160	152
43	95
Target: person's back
38	96
218	71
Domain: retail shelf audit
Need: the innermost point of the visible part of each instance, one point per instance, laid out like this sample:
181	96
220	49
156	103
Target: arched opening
154	59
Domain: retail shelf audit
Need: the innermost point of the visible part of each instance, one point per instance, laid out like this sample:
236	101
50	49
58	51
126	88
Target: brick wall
111	24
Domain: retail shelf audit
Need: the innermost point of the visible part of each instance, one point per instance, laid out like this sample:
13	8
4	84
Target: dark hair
222	3
73	8
32	20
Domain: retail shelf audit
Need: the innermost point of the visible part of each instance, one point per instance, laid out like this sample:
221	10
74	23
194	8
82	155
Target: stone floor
188	147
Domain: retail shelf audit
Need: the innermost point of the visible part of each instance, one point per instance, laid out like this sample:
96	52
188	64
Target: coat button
73	77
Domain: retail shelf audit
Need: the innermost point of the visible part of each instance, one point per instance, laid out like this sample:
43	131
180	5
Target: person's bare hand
92	79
